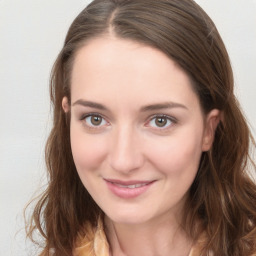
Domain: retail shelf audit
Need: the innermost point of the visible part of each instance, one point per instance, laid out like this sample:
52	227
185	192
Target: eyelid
84	116
171	118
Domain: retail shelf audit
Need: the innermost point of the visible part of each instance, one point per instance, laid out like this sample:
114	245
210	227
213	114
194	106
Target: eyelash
171	119
83	118
159	116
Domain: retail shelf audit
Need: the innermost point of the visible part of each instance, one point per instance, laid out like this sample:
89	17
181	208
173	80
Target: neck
159	237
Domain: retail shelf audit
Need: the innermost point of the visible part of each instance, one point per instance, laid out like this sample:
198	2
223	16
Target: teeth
131	186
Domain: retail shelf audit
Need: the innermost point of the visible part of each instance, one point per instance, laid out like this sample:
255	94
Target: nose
125	153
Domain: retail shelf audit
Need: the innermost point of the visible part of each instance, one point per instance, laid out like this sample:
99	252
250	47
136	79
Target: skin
125	141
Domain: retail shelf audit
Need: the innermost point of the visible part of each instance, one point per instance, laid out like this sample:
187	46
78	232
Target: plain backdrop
31	35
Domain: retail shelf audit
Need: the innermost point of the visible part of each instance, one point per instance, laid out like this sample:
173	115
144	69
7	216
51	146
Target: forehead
109	68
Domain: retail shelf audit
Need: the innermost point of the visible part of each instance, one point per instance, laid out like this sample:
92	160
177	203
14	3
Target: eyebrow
151	107
159	106
91	104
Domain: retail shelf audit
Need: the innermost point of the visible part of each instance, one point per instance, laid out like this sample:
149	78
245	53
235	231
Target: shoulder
198	246
91	241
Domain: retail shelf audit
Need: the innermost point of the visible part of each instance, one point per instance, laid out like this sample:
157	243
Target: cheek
177	156
88	151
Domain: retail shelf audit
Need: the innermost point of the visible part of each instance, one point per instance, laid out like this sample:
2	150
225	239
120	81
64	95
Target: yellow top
95	243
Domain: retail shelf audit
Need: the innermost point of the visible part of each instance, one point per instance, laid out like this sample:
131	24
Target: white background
31	34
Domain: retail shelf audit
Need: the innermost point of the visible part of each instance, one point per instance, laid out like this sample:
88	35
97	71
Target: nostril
126	160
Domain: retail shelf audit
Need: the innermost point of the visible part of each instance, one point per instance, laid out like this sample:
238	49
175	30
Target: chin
129	217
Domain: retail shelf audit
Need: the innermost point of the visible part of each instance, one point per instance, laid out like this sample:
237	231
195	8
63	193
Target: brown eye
95	120
161	121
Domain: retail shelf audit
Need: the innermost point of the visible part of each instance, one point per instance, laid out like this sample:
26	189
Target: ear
65	104
211	123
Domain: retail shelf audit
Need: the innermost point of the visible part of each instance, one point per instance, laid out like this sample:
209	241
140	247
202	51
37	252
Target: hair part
222	199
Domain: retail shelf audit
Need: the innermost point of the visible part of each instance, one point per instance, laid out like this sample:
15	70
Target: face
137	129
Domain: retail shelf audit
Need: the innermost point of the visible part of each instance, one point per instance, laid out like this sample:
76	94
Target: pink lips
128	189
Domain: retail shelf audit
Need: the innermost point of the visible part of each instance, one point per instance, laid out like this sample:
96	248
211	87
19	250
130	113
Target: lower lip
127	192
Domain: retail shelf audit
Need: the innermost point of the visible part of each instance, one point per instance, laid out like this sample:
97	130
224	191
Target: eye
94	120
161	121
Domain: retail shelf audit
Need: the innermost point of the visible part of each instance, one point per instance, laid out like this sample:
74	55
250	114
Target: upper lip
128	182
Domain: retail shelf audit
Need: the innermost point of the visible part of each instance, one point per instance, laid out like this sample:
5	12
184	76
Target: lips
131	186
128	189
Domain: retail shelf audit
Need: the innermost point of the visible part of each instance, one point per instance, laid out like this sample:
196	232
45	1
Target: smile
131	186
128	189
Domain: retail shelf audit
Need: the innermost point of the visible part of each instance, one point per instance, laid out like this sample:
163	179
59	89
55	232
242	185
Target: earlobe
65	104
212	121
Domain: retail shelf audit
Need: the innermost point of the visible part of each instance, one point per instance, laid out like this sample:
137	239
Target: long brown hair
223	195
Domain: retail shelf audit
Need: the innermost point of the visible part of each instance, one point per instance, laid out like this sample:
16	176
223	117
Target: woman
149	151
